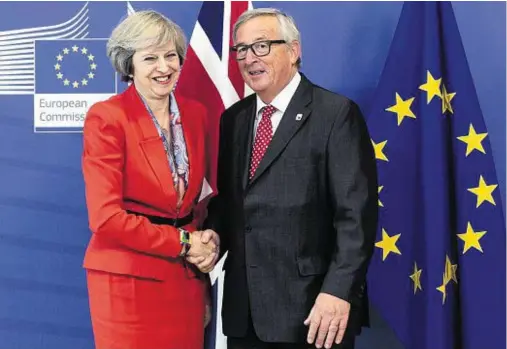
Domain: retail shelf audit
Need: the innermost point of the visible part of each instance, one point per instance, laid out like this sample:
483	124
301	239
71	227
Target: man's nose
250	57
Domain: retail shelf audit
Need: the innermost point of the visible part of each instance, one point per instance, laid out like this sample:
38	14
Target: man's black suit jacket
304	224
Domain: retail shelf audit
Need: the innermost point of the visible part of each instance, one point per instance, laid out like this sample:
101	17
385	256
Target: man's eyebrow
260	38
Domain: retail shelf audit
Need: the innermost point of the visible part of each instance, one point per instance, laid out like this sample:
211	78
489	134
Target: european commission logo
70	76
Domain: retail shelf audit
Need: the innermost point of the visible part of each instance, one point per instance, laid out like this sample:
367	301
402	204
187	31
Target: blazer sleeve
353	193
102	163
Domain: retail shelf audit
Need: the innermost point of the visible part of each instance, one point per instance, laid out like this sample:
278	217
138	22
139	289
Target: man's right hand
204	250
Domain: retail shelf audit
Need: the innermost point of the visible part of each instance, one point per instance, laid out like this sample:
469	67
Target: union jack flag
211	76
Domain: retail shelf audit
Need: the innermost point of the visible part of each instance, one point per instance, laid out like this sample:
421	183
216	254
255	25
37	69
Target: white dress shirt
280	102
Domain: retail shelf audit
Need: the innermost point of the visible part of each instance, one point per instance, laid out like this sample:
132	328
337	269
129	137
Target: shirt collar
282	100
173	108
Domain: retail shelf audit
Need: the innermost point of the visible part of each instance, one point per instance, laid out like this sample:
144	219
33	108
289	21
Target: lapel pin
299	117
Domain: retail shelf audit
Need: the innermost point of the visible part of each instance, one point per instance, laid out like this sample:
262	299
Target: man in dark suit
297	200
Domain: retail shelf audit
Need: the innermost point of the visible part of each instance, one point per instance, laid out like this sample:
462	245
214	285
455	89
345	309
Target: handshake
204	249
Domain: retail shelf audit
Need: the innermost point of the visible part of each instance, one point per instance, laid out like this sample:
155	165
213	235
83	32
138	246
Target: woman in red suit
143	165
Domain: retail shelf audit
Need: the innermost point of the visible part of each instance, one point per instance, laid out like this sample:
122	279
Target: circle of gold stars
437	91
80	51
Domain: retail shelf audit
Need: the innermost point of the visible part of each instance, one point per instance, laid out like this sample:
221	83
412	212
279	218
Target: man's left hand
328	320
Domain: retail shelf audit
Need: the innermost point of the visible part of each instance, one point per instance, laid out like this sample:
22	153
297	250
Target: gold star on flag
446	100
484	192
388	244
454	268
57	66
65	51
84	82
84	50
91	57
379	190
66	82
473	140
450	270
442	288
402	108
59	58
416	278
432	87
379	150
471	238
91	75
59	76
75	48
93	66
449	274
75	84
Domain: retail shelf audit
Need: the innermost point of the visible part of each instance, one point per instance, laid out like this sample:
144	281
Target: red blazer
125	167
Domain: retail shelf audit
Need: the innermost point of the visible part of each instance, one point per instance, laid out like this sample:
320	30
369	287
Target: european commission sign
70	76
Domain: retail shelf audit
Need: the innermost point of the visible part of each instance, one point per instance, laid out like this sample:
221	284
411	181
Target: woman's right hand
204	249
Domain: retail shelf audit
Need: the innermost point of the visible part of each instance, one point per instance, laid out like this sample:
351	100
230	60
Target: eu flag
73	66
438	273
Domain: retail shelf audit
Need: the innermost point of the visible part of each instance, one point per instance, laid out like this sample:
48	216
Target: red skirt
129	312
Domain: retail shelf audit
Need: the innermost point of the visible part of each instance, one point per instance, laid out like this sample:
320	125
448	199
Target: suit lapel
150	142
194	142
244	140
293	119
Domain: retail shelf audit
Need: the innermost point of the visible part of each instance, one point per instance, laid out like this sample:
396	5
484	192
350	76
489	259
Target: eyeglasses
259	48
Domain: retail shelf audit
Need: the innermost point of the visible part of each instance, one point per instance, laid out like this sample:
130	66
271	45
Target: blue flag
73	66
438	273
70	76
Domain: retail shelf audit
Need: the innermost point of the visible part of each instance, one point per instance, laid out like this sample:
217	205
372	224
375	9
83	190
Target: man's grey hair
286	24
139	31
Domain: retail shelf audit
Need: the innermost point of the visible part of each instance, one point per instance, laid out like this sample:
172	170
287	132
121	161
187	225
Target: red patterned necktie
262	138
